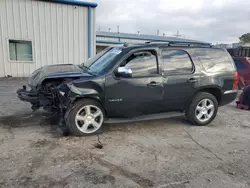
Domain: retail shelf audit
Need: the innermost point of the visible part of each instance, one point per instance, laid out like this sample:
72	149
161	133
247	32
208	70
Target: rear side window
214	60
239	64
176	62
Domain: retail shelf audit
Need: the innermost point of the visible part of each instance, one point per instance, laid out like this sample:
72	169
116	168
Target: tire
82	119
200	114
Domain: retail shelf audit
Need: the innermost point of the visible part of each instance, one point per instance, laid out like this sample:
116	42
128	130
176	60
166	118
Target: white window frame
20	39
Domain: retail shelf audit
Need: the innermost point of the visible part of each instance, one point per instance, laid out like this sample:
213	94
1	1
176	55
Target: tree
245	38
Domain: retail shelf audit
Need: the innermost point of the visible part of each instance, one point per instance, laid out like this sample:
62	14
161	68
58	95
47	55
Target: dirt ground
166	153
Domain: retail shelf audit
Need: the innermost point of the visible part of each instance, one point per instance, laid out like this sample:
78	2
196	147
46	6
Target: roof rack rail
156	42
190	44
180	43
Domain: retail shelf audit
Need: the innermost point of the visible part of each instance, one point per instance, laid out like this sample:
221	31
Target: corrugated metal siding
59	34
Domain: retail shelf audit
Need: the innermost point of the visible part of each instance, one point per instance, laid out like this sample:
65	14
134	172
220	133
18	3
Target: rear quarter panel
215	72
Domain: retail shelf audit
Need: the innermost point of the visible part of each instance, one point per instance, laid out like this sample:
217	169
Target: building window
20	50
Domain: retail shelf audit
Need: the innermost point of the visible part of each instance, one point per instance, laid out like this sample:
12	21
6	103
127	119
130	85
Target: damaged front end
56	88
30	96
52	98
57	97
48	97
43	83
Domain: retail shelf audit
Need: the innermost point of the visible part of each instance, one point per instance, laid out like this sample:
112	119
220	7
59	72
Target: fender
83	92
88	89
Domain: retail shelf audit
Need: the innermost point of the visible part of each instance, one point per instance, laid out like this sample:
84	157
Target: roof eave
74	2
180	40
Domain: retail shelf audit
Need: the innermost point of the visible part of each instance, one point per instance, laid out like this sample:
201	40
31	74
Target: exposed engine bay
46	95
46	83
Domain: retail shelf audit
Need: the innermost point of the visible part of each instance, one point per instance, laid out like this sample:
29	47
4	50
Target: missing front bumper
28	96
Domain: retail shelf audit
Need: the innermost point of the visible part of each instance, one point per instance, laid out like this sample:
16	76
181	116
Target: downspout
89	32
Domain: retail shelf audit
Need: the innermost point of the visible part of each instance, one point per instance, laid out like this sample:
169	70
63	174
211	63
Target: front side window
176	62
142	63
20	50
239	64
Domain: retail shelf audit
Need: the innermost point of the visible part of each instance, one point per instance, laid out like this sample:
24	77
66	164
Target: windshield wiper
82	65
88	69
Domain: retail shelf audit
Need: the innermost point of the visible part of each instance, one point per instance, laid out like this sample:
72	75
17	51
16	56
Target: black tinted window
214	60
143	63
176	61
239	64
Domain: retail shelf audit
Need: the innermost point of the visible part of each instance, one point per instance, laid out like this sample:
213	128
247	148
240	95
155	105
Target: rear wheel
203	109
85	118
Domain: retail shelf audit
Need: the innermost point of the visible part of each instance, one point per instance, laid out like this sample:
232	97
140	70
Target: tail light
236	81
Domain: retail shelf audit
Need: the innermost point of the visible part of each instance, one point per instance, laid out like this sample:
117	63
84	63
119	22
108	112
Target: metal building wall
59	34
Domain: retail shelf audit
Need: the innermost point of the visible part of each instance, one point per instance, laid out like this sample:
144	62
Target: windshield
99	62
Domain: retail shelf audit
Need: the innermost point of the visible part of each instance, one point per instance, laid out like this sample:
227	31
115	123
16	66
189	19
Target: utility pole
99	28
118	32
177	34
118	29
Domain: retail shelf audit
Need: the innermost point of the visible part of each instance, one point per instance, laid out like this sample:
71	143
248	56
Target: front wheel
203	109
85	118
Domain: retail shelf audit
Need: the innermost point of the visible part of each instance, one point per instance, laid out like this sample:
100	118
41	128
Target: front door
180	80
140	94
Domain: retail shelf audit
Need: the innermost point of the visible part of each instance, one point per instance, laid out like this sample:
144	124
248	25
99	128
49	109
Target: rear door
179	79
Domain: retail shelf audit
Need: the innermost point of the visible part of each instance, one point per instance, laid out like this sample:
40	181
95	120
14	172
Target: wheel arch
215	91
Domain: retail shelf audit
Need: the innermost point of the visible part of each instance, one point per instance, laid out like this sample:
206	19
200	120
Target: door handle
192	80
153	84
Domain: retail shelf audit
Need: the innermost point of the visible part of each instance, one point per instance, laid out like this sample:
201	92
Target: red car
243	68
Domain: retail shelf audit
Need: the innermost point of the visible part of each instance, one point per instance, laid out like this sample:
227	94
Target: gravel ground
166	153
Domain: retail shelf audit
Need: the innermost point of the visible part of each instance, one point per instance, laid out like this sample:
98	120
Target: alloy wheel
204	110
89	119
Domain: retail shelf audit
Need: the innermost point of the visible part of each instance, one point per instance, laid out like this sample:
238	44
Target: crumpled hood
56	71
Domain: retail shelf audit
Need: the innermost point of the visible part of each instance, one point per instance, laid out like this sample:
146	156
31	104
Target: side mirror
124	72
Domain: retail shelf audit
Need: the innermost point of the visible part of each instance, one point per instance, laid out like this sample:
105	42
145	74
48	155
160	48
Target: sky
215	21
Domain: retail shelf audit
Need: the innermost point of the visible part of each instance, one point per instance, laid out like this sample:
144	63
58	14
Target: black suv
137	82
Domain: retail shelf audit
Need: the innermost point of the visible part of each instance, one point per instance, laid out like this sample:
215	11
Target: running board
145	117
